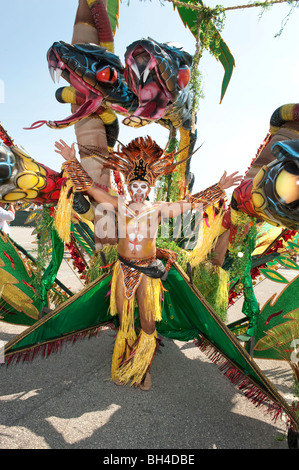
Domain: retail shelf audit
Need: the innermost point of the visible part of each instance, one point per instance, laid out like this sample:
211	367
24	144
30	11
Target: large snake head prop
96	81
158	74
275	189
273	194
22	178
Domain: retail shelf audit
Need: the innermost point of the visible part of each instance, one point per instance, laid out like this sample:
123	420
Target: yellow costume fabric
132	355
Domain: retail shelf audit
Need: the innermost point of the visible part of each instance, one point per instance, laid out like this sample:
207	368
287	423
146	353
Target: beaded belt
131	275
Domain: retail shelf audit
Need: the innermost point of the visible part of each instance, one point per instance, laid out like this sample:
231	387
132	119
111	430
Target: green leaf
274	275
287	262
32	216
277	323
281	334
294	246
217	46
228	63
113	13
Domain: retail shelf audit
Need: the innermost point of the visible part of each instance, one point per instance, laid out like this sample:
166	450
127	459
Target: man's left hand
226	181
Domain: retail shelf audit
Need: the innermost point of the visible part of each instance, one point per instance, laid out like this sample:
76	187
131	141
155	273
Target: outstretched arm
203	199
82	181
226	182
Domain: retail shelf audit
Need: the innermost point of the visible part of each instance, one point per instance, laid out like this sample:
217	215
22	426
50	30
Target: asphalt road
67	401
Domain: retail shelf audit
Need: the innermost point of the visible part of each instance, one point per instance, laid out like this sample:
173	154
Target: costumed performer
137	273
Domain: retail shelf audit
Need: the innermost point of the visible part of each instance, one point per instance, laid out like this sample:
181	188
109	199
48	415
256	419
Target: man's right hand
67	152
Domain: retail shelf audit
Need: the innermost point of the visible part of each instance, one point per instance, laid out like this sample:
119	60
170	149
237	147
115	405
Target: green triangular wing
84	311
186	315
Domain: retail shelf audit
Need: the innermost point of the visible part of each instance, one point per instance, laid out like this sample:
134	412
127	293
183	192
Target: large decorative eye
287	184
107	74
184	77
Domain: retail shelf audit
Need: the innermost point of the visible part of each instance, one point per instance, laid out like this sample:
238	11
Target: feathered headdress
142	159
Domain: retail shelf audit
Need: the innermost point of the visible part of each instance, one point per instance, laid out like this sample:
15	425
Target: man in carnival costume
137	273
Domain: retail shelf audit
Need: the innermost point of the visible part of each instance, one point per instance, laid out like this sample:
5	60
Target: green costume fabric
277	326
19	303
50	272
185	316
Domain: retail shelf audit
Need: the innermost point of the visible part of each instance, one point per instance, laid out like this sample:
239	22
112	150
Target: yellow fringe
126	336
122	350
220	301
207	237
63	213
118	353
136	367
113	306
127	323
152	299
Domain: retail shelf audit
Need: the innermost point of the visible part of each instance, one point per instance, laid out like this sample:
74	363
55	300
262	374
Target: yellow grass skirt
132	356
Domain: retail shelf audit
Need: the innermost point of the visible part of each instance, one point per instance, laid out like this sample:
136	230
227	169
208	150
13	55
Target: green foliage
196	88
240	251
44	223
183	255
97	262
167	187
207	20
210	280
285	20
212	283
296	393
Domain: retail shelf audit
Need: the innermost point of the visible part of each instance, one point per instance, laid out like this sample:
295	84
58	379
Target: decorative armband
206	197
168	255
80	179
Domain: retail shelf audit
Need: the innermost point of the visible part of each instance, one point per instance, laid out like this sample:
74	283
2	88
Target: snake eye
107	75
183	77
287	184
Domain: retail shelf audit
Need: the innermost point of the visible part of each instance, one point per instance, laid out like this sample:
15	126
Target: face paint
139	190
